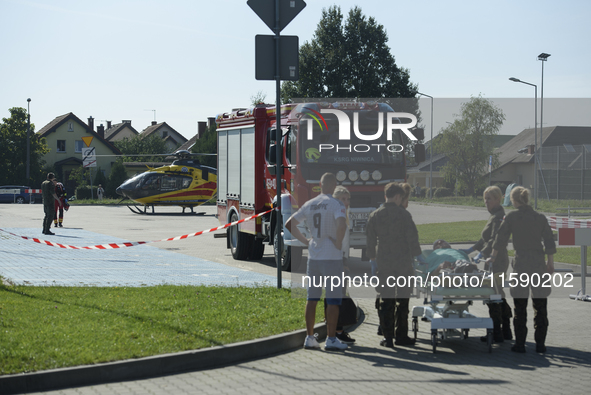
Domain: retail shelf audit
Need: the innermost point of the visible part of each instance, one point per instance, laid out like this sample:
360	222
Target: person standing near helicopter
59	205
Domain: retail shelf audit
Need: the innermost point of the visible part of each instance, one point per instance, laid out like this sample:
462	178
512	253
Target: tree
258	98
116	178
349	60
207	144
468	143
139	145
13	151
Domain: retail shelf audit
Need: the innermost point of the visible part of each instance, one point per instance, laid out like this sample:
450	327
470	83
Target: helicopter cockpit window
174	182
151	182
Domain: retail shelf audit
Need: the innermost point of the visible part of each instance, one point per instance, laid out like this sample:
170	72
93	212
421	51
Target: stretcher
446	306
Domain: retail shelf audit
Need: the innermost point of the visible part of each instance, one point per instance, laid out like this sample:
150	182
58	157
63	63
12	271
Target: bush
83	192
442	192
425	192
502	186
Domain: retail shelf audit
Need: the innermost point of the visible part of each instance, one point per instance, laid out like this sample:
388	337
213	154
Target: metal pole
535	140
279	159
583	270
28	142
536	151
543	57
431	149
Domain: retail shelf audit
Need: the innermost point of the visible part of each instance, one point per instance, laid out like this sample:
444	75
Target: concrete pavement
459	366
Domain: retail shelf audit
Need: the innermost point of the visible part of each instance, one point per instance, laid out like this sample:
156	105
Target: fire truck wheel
239	242
257	250
285	256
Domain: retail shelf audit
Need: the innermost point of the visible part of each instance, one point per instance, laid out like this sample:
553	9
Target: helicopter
185	183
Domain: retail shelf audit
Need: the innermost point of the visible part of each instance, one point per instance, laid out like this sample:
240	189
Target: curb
154	366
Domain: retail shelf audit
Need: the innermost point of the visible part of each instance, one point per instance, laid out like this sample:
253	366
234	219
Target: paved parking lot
459	366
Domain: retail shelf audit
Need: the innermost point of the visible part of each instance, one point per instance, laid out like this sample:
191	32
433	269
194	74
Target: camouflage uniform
391	230
528	228
499	312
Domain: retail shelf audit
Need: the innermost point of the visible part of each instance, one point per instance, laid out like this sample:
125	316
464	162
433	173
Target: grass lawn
53	327
469	231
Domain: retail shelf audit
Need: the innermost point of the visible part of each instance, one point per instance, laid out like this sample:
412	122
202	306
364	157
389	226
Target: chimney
201	126
101	130
154	123
531	149
91	123
108	124
210	121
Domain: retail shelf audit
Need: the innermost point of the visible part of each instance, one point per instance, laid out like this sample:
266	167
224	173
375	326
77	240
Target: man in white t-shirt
325	217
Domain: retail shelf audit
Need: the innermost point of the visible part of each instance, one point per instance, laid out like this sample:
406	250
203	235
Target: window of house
61	146
79	145
164	134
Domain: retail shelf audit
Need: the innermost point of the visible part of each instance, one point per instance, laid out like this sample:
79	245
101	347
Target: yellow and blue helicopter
185	183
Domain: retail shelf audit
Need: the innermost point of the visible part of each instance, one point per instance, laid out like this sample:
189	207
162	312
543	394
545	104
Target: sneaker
345	338
405	341
335	345
311	343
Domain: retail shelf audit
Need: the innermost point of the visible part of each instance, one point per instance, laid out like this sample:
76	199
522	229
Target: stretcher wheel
466	332
434	339
489	340
415	326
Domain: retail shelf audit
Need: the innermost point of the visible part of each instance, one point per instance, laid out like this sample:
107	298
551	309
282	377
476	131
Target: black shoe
55	225
380	331
49	233
518	348
540	348
405	341
61	226
496	339
345	338
387	342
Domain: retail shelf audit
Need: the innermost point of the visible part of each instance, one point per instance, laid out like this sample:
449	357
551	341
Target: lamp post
28	141
535	139
431	149
543	57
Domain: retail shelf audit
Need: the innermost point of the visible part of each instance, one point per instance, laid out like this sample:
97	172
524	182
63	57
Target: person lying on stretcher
446	259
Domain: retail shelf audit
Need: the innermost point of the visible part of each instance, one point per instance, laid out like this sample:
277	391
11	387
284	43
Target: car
17	194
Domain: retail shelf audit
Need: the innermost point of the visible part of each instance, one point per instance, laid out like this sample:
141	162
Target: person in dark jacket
392	243
528	228
49	196
499	312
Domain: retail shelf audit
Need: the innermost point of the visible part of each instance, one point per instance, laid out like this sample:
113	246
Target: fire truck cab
311	147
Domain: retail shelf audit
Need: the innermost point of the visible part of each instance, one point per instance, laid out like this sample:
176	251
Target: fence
565	172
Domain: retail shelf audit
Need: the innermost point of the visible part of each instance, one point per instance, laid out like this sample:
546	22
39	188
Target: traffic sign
89	157
265	9
87	140
289	65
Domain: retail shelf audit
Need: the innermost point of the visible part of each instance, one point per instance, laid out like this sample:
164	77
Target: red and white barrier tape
133	243
564	222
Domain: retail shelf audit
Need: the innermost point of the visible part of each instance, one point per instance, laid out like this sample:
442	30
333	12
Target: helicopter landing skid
137	210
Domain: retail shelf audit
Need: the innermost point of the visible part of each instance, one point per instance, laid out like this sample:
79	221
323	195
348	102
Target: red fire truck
311	147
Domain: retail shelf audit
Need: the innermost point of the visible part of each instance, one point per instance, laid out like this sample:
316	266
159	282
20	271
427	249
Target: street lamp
28	141
543	57
431	149
535	140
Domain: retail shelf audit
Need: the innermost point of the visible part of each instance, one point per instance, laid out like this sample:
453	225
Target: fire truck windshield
325	147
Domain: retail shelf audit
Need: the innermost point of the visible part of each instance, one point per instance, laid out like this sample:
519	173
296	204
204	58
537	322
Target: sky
182	61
